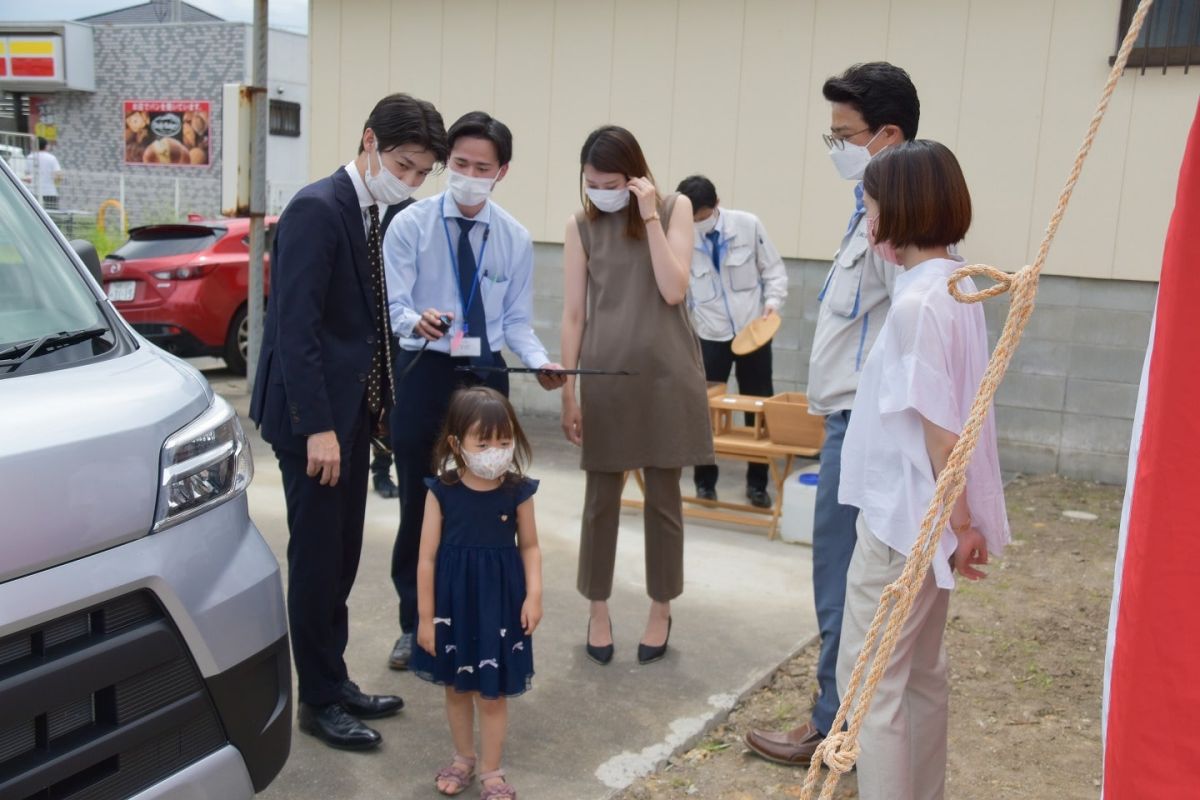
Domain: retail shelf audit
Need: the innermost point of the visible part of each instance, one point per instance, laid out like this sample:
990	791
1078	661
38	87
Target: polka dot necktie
380	386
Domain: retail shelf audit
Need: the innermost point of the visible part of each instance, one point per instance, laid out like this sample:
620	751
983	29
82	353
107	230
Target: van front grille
100	704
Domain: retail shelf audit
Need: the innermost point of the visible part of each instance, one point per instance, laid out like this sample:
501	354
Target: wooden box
789	423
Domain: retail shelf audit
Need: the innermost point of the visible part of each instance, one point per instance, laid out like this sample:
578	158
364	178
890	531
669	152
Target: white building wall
287	76
731	88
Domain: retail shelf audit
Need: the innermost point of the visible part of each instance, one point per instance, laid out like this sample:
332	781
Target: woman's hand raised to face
646	196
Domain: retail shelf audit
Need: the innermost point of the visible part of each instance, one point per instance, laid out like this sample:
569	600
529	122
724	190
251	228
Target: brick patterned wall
147	62
1065	407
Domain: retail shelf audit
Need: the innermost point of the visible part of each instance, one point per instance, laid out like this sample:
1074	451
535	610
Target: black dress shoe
368	706
336	728
601	655
648	654
758	497
705	493
401	652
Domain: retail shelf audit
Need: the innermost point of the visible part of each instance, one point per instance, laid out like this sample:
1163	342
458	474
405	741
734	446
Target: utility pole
258	188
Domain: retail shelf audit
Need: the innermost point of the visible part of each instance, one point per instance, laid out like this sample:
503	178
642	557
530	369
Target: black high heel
601	655
648	654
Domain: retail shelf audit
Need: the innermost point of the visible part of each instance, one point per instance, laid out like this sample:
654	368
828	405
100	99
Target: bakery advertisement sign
167	133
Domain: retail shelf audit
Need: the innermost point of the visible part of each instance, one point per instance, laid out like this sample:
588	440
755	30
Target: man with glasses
873	106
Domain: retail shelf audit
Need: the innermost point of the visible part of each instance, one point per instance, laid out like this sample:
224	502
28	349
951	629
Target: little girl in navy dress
479	582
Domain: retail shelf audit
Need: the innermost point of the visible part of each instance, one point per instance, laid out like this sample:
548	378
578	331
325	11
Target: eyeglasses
839	142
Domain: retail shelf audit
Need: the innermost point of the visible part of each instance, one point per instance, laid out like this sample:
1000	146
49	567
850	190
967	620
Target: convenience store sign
31	58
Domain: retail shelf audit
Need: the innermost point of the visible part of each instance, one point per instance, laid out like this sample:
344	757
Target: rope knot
839	752
1003	282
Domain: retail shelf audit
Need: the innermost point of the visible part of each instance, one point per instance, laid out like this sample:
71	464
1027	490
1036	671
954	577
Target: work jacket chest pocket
742	269
703	283
842	287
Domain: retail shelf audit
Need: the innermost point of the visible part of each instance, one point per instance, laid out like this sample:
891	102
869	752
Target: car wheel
237	342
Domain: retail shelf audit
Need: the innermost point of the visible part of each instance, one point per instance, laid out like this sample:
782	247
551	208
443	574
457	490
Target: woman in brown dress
626	258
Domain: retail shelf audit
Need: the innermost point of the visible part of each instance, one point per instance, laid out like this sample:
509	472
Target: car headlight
204	464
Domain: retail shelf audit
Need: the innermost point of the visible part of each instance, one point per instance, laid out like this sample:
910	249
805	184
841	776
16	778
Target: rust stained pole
258	190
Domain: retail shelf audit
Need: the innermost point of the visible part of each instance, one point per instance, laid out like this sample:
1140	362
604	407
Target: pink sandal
460	778
499	791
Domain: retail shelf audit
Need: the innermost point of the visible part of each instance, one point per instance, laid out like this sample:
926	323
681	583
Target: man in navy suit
324	389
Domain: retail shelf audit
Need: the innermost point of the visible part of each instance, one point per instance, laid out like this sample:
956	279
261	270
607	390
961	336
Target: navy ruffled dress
479	588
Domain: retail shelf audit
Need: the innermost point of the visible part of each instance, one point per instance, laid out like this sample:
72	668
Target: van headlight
204	464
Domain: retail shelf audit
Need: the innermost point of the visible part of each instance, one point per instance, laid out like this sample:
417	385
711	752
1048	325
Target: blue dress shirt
420	260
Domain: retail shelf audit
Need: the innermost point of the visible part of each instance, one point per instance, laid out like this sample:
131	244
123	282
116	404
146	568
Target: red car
184	285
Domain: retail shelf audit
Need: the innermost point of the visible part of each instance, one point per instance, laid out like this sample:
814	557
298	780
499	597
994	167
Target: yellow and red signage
31	58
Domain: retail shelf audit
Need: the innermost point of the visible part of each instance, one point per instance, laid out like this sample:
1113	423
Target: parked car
143	641
19	162
184	286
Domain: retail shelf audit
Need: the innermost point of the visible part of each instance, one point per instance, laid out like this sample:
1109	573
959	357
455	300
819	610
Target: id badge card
465	346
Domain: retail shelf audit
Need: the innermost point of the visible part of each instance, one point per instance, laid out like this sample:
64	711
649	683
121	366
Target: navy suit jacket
319	335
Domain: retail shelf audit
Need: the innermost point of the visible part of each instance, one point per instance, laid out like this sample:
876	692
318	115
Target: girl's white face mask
385	187
608	200
489	463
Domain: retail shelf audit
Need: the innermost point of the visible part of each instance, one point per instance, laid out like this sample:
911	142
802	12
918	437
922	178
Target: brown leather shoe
792	748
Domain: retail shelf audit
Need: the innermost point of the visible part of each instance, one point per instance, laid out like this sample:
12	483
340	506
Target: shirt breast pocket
743	271
702	283
845	278
493	290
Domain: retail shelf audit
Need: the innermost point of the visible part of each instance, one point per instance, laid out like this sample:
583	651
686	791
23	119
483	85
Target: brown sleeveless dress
658	417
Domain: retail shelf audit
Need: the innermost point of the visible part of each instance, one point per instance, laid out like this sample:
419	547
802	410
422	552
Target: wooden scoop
758	332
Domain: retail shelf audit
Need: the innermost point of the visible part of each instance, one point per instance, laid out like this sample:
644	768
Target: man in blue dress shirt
460	256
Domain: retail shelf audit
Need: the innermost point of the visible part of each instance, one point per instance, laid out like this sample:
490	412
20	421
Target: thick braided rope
840	749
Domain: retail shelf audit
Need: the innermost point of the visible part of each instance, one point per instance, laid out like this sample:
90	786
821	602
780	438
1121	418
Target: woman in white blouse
914	396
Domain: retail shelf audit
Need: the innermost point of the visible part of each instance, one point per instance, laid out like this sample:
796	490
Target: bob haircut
922	195
612	148
486	413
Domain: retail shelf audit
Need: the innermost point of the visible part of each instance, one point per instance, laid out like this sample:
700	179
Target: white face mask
385	187
706	226
608	200
468	191
489	463
851	161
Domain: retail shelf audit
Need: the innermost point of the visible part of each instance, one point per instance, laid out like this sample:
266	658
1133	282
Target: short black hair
700	191
882	92
401	119
922	195
482	125
42	143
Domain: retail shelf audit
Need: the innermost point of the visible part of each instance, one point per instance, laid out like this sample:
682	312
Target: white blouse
927	362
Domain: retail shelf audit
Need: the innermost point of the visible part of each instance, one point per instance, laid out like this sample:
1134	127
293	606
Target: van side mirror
88	255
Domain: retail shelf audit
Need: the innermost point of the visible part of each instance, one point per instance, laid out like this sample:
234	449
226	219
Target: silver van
143	642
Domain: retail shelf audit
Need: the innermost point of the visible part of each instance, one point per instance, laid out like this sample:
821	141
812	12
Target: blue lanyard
720	283
465	302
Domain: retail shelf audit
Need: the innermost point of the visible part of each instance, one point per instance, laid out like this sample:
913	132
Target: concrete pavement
584	730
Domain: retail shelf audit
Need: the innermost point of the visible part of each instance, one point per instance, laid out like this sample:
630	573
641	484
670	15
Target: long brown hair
486	413
611	148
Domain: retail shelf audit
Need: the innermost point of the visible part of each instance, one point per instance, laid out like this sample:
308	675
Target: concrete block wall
147	62
1066	405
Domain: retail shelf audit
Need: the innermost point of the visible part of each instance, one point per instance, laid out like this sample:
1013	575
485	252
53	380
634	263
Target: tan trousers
663	527
903	737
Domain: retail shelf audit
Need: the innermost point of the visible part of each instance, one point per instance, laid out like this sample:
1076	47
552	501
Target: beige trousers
903	737
663	526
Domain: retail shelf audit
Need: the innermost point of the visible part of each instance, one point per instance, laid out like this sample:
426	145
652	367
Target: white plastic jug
799	502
